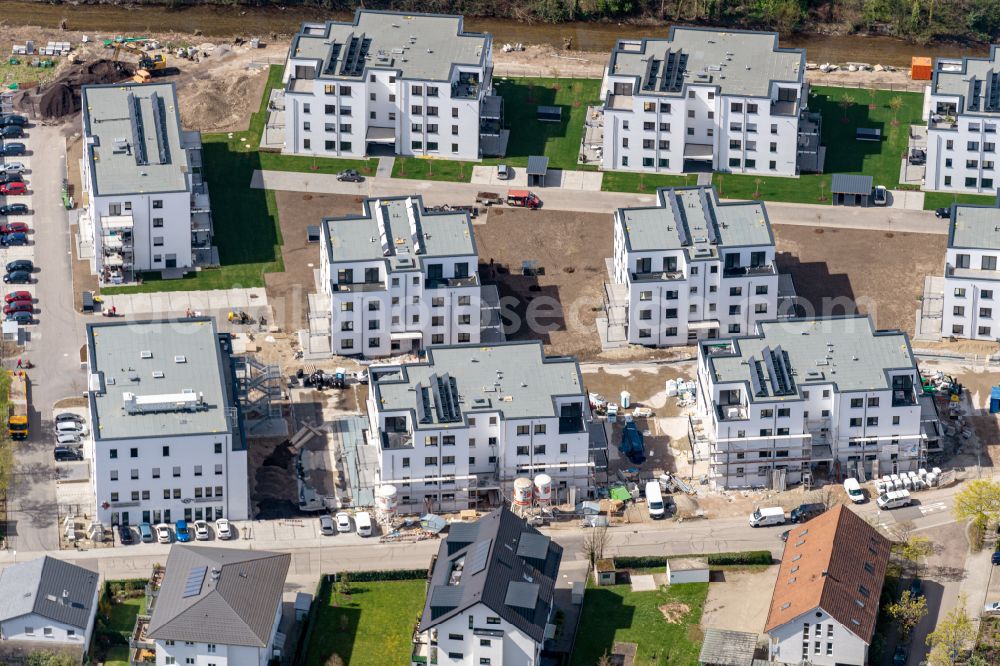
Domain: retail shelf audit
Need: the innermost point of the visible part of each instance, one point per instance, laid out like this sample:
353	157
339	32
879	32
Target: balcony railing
656	276
974	273
736	271
732	412
397	440
445	283
358	287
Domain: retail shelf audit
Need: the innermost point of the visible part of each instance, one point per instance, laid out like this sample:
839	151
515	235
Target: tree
872	94
907	613
951	635
896	103
604	660
979	502
846	101
914	549
595	543
43	658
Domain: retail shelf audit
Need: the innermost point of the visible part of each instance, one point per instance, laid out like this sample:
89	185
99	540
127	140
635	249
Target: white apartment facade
456	430
729	100
962	107
818	397
971	280
147	206
399	279
694	268
403	83
168	436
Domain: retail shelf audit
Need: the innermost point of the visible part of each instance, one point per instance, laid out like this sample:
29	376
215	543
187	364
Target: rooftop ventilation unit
163	402
158	374
180	358
145	354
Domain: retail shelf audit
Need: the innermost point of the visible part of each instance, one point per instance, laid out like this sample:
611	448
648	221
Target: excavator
147	67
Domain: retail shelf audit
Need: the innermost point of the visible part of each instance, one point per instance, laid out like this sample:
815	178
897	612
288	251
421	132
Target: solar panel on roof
479	556
160	118
195	579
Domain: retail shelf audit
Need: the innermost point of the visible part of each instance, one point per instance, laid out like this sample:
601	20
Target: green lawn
432	169
117	656
629	181
371	628
934	200
307	164
615	613
123	616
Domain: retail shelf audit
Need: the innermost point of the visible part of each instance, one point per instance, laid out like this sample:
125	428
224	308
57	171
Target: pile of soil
220	100
61	96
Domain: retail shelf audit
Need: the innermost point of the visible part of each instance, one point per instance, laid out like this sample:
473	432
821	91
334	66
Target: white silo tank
543	489
626	399
522	492
386	498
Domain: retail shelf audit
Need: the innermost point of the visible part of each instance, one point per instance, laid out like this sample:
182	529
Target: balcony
749	271
424	649
301	85
656	276
396	440
970	273
784	107
447	283
619	102
357	287
732	412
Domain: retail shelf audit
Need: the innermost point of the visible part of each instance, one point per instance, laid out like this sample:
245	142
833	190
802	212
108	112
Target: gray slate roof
860	355
426	45
843	183
975	80
538	165
38	587
974	227
480	563
115	351
721	647
146	118
707	47
526	376
690	218
235	608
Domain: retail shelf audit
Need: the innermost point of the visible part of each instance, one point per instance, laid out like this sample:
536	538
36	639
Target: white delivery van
767	515
363	523
853	489
894	499
654	500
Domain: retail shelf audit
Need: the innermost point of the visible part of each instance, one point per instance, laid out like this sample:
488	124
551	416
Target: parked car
11	177
63	417
343	522
20	295
146	532
916	588
944	211
201	532
853	489
900	656
22	318
182	531
67	438
12	149
71	427
14	228
14	239
13	119
223	529
504	172
881	196
18	306
992	608
326	525
125	535
804	512
20	265
767	515
12	132
67	454
784	535
163	533
918	156
13	189
14	209
350	176
995	558
17	277
893	499
12	167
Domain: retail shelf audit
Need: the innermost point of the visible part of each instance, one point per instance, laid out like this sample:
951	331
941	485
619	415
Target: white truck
767	515
654	500
853	489
894	499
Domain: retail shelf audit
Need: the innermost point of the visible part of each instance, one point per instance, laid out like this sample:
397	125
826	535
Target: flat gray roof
419	46
411	233
515	378
722	647
136	133
975	80
975	227
842	183
741	63
693	219
123	359
538	165
846	351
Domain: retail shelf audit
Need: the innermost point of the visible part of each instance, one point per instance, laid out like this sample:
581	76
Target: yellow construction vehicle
17	419
142	76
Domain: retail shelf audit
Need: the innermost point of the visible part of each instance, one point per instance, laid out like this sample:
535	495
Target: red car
7	189
18	296
14	227
18	306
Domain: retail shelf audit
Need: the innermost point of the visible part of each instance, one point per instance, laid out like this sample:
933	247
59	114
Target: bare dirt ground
740	600
646	385
846	269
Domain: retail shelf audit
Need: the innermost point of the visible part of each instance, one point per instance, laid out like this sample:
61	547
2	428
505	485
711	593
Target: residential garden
120	603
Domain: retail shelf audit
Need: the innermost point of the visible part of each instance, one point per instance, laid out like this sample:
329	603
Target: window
156	472
855	423
177	472
166	451
736	107
114	475
134	474
113	453
960	292
492	620
157	241
989	262
857	403
873	401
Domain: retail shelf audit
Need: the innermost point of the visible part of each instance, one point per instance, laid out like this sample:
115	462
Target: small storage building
550	114
538	167
685	570
921	68
846	190
604	572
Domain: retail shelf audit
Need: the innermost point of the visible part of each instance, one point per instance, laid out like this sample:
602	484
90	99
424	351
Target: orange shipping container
920	68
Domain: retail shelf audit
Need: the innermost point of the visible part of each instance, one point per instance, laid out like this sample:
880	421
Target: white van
654	500
894	499
363	523
767	515
853	490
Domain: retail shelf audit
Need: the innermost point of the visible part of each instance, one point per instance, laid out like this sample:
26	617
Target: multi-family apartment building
217	607
963	107
168	438
398	278
705	98
971	279
692	267
392	82
490	595
826	598
458	428
808	398
147	205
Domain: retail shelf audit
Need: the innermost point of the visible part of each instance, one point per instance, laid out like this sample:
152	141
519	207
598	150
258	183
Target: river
220	21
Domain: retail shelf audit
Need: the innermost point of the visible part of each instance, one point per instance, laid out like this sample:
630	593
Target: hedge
714	559
375	576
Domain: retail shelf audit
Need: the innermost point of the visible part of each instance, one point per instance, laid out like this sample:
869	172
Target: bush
397	574
977	533
742	557
641	562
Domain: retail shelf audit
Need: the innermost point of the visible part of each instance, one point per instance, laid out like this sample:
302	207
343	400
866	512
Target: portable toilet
995	400
626	399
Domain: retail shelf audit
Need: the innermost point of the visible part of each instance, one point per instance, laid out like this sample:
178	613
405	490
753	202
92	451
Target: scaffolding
259	386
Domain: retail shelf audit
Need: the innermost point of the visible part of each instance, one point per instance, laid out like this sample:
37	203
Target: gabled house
48	600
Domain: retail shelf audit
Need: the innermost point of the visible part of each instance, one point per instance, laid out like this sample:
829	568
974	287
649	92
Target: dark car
944	211
784	535
21	317
804	512
15	238
995	558
13	119
125	535
14	209
918	156
17	277
14	228
12	132
350	176
900	656
11	177
916	589
20	265
66	454
18	306
11	149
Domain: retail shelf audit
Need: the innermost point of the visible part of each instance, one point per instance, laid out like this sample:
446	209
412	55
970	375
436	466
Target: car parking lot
16	173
